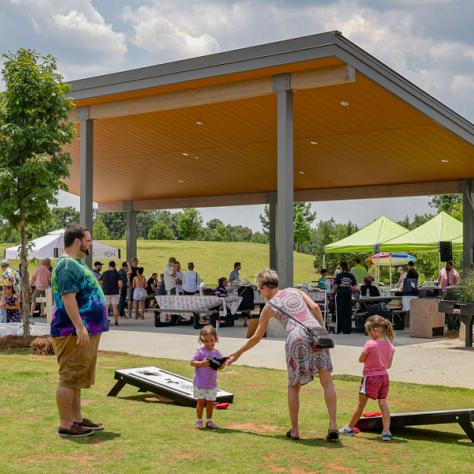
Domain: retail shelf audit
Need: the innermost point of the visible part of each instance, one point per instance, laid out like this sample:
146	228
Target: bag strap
287	315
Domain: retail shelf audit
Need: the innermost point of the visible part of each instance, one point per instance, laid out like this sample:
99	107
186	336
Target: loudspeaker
446	251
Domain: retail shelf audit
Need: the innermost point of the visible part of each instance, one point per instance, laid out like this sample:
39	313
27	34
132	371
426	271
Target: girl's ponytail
388	330
380	323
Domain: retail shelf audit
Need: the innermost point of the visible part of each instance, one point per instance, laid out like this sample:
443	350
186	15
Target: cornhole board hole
464	417
162	383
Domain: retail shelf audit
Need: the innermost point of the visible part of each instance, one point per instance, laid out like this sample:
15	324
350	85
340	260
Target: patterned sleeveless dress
303	359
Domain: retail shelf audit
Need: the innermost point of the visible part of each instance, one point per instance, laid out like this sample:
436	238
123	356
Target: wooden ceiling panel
377	139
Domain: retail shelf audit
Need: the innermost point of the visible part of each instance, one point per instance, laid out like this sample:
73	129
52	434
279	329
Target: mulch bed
39	345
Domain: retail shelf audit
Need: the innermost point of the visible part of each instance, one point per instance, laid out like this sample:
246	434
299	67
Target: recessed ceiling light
185	154
199	122
301	172
444	161
180	181
313	142
345	103
196	157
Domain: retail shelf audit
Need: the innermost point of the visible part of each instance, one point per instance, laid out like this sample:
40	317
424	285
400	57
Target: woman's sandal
332	435
290	436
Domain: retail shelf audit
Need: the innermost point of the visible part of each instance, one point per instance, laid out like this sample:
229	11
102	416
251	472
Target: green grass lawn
144	434
211	259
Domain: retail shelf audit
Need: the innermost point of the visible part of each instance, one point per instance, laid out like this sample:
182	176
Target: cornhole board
464	417
162	383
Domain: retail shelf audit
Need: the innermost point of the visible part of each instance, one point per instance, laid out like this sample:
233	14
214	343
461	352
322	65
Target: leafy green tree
160	231
449	203
34	127
303	217
327	232
189	224
63	217
115	223
100	230
259	238
8	233
302	220
217	231
145	221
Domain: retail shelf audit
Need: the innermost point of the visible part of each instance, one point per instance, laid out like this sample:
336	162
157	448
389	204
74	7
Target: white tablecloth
198	303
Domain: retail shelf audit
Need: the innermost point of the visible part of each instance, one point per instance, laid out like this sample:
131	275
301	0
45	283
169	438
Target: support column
272	202
86	171
130	230
468	225
284	211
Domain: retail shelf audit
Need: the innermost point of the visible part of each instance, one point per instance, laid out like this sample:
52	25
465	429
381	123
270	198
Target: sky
430	42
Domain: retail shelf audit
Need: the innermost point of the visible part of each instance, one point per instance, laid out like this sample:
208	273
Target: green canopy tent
368	239
426	237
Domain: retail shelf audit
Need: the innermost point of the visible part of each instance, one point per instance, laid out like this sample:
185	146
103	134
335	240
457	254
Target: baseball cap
98	263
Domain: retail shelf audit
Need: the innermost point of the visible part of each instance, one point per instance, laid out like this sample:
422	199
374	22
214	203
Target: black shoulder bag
319	334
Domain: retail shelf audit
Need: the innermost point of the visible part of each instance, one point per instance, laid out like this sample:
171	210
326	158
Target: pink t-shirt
42	278
379	353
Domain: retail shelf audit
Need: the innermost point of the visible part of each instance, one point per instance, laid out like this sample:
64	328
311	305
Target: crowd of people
359	281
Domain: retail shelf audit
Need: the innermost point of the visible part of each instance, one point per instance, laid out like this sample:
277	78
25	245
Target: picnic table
194	306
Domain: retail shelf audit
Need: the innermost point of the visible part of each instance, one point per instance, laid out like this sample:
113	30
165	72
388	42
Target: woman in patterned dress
11	303
303	359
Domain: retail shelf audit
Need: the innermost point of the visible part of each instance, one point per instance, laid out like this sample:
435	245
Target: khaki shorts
38	294
112	299
76	364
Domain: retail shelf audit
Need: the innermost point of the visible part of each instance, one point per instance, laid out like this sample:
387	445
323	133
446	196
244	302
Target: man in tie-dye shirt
79	318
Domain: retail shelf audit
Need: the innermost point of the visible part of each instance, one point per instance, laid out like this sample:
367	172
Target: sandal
332	435
290	436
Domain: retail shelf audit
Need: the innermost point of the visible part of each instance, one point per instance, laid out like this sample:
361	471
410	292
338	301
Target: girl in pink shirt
377	356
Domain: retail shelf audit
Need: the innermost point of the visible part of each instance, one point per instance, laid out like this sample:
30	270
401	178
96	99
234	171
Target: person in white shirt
191	280
179	279
234	275
169	273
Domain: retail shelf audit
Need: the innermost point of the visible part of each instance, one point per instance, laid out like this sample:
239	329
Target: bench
176	318
162	383
463	417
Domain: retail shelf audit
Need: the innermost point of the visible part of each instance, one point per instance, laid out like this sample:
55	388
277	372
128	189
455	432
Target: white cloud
157	30
74	31
162	35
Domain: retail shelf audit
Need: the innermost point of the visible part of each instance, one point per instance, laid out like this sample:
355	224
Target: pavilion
307	119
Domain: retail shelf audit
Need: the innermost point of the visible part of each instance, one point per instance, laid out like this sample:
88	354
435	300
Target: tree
115	223
100	231
189	224
449	203
302	220
160	231
145	221
64	217
34	127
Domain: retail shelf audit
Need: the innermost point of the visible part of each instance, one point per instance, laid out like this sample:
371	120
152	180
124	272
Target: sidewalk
424	361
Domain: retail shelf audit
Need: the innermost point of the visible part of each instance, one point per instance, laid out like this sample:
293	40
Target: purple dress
303	359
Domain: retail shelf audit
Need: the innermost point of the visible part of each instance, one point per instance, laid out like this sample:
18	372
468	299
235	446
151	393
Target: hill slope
211	259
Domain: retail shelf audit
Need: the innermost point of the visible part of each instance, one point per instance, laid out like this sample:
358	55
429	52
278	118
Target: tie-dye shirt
73	276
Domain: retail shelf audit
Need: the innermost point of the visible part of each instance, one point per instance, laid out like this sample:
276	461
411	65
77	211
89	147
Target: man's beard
84	249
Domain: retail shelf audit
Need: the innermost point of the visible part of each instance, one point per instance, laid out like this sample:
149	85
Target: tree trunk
25	281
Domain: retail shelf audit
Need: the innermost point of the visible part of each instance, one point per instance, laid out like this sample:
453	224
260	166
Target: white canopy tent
52	246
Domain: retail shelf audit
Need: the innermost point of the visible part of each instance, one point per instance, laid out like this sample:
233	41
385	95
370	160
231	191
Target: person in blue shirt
79	318
234	274
322	285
